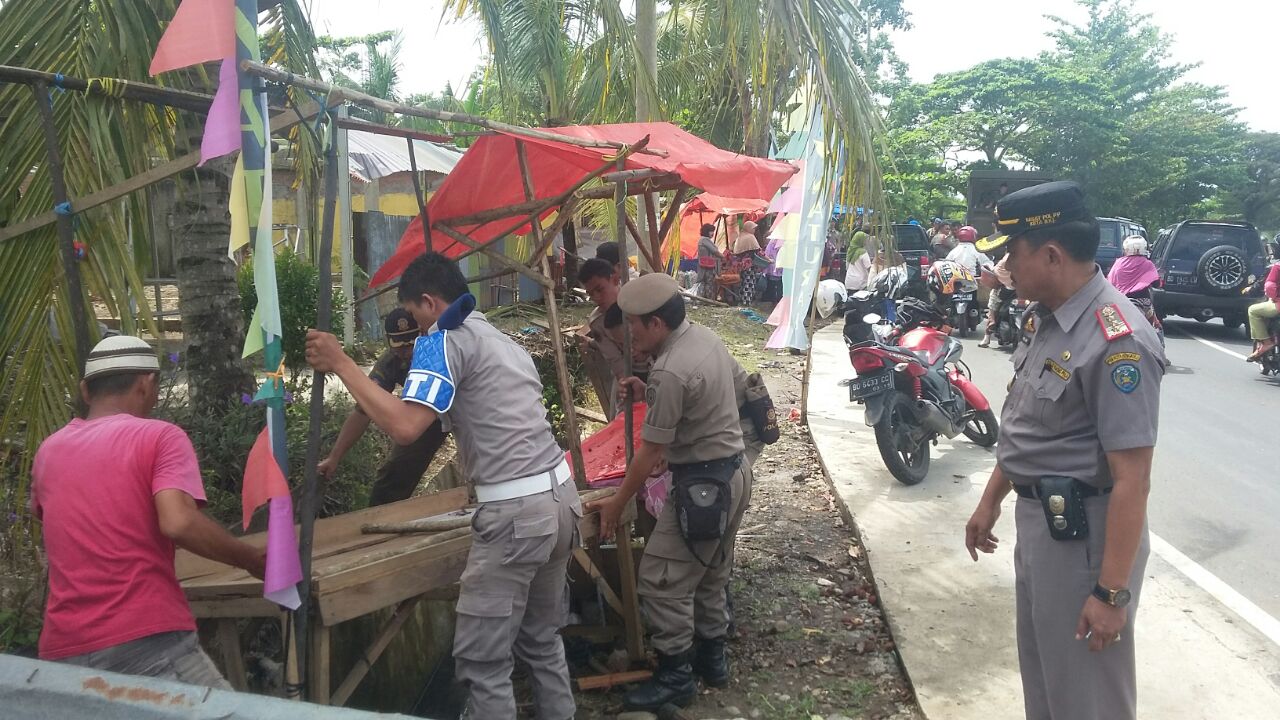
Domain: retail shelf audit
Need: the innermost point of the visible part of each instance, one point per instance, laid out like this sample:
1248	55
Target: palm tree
103	142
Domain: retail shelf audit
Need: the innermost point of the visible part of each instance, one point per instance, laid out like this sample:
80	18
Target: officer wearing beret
399	476
1078	432
692	421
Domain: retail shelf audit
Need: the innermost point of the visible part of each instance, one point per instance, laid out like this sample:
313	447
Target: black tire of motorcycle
983	438
904	472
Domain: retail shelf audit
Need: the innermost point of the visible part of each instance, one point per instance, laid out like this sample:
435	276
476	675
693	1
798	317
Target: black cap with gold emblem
1036	208
401	328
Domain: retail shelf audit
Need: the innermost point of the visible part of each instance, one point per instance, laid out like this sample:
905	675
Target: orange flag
201	31
262	477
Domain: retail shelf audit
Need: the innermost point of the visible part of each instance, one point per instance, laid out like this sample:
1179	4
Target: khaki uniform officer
1078	431
693	422
600	279
486	390
399	476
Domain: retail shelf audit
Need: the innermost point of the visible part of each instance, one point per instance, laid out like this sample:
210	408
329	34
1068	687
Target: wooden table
354	574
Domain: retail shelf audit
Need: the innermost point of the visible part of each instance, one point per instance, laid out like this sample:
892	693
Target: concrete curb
953	620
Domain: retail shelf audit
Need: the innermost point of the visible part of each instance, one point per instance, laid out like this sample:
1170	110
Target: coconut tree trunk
209	299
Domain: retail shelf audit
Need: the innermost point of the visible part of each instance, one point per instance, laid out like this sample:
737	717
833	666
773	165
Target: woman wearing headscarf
1134	275
745	248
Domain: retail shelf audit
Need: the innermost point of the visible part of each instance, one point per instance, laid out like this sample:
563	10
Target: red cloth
111	574
488	177
262	478
604	453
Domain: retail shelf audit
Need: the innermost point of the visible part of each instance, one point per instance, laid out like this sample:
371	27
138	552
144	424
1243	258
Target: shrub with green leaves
297	282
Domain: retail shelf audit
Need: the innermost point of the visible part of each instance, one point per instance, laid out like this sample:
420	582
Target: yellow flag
239	210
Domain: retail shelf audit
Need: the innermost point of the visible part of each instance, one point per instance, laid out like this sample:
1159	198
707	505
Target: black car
1204	266
1114	231
913	244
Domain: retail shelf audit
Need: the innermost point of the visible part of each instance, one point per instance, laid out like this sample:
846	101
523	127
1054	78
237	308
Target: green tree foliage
1106	107
298	284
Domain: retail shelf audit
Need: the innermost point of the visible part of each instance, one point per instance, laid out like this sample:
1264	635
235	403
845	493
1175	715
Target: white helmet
830	294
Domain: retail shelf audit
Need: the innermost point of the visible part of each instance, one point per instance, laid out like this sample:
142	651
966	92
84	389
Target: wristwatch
1115	598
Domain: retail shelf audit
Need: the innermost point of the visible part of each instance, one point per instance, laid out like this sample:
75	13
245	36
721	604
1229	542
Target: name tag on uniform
1057	369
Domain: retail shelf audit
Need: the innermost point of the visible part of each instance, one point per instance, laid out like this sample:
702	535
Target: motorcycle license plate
861	388
962	297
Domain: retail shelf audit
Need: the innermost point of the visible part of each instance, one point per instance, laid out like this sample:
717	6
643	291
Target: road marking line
1210	343
1222	592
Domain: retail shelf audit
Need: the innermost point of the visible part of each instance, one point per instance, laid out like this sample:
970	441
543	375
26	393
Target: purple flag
222	127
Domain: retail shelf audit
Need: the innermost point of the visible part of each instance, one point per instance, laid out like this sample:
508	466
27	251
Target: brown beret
647	293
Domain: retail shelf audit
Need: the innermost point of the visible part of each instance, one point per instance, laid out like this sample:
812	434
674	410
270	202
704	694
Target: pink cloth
1133	273
111	574
1271	286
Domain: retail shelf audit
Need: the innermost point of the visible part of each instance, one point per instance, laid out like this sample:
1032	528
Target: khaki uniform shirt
693	403
610	350
488	393
1086	382
389	370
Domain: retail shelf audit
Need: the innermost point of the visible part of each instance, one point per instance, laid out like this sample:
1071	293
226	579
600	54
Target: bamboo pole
557	340
426	525
310	502
66	230
634	231
651	207
356	97
111	87
496	256
417	195
606	192
668	220
380	129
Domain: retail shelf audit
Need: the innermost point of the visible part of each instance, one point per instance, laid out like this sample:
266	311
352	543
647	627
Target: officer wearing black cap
1078	433
399	476
693	422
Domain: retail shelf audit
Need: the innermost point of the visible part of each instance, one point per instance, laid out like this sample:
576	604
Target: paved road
1216	486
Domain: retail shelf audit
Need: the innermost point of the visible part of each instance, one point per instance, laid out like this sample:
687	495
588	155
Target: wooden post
310	481
655	242
318	665
66	230
417	194
557	338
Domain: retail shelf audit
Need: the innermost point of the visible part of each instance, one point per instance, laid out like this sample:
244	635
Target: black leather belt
1086	490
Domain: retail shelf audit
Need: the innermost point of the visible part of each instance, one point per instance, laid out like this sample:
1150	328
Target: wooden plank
365	662
232	656
394	587
404	553
246	607
281	122
610	597
320	657
597	682
591	415
630	598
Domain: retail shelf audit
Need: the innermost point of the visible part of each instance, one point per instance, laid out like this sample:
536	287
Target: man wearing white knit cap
116	491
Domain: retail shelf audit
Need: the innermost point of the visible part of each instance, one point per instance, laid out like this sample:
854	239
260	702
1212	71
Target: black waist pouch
759	408
702	496
1063	501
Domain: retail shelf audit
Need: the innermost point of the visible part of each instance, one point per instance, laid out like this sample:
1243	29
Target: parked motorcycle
1009	318
913	384
954	292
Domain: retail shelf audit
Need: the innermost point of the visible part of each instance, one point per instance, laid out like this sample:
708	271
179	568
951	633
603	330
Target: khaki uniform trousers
681	597
1061	679
514	599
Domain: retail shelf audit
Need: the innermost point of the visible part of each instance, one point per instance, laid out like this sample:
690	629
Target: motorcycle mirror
871	319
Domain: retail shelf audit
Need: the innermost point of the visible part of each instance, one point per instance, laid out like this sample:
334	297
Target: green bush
297	282
222	445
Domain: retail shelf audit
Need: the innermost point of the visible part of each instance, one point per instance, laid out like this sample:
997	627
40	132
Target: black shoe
710	662
672	683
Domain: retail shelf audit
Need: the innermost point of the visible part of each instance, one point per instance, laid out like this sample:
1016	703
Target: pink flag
201	31
264	483
222	127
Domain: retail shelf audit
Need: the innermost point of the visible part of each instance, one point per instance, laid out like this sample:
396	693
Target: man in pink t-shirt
116	492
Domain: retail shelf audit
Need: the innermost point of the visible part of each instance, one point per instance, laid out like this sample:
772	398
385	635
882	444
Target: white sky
1231	39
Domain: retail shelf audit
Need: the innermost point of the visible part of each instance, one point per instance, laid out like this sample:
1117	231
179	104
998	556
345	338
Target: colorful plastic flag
264	483
222	126
201	31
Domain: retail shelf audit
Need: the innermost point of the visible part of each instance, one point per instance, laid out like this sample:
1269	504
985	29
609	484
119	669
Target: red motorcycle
913	384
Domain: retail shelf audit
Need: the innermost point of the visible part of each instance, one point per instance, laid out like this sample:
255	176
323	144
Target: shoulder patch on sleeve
650	392
429	381
1113	323
1126	377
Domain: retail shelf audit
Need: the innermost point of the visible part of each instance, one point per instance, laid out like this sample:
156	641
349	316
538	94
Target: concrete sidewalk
953	619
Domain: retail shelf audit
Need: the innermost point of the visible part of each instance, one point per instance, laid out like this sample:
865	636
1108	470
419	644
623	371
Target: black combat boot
671	683
710	662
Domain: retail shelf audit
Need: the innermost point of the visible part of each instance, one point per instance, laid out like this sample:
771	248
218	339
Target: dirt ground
810	639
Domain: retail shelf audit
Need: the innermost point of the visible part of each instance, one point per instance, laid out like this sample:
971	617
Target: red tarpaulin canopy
488	177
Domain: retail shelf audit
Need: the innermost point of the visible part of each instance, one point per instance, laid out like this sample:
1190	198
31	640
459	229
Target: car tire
1222	269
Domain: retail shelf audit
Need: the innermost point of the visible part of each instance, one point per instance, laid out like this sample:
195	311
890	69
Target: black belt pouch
1063	502
702	495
